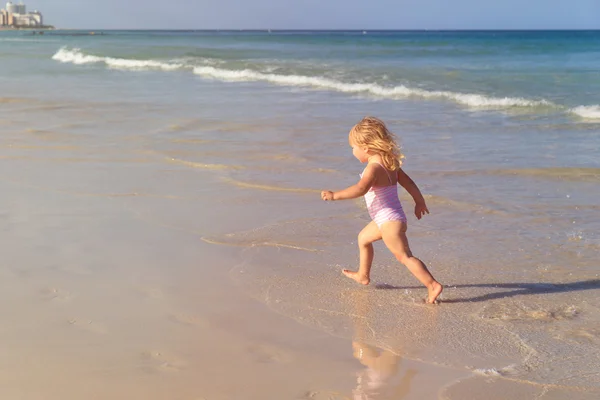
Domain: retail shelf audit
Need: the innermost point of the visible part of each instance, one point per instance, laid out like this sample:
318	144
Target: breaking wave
587	112
395	92
76	56
208	70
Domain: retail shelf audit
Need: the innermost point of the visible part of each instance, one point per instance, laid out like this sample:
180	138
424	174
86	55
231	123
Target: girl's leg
366	237
394	237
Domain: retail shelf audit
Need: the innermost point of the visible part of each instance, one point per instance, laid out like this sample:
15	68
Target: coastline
28	28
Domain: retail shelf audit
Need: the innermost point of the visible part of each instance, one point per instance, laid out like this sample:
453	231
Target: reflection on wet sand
374	382
381	378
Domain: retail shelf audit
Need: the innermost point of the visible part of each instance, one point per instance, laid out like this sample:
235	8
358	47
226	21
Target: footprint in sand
88	325
267	353
55	294
188	319
154	360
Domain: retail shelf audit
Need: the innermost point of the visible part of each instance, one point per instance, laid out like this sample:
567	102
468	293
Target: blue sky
320	14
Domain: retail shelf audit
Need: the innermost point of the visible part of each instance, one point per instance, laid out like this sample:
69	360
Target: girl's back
382	199
384	177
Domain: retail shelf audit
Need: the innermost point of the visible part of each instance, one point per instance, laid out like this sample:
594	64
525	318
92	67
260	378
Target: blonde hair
372	133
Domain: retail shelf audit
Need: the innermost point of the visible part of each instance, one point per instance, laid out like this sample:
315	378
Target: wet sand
155	263
100	299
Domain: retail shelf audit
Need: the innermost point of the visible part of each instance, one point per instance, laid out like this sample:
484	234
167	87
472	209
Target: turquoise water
551	71
501	130
512	108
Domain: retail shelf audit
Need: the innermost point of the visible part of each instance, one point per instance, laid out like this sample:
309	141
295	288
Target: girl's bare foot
363	280
434	291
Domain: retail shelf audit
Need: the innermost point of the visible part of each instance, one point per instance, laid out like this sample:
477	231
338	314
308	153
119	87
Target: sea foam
208	70
76	56
587	112
395	92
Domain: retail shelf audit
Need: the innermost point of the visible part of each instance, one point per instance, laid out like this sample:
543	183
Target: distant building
11	8
37	16
21	9
16	15
30	19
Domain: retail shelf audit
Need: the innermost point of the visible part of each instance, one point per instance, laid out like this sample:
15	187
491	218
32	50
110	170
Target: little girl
374	144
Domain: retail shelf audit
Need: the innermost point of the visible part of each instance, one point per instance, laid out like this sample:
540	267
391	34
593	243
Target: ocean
500	130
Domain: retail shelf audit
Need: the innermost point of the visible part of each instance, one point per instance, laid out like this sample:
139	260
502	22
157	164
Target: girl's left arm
412	188
354	191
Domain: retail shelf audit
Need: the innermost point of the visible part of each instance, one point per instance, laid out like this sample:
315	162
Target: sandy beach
103	299
111	290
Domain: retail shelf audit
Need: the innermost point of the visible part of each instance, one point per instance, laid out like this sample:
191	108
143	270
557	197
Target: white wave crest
587	112
76	56
471	100
210	70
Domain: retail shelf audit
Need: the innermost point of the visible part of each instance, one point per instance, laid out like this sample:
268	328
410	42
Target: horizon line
330	30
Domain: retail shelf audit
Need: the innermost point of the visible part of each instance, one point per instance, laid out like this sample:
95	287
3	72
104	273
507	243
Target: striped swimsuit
383	202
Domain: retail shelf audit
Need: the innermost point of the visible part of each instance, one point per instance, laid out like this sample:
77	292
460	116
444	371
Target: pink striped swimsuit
383	202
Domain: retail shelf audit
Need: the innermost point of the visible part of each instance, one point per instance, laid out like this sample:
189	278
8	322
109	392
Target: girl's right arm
412	189
354	191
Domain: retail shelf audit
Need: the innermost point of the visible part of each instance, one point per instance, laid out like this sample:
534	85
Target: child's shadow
519	289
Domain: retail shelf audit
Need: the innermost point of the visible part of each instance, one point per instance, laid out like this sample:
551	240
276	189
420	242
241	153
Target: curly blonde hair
372	133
